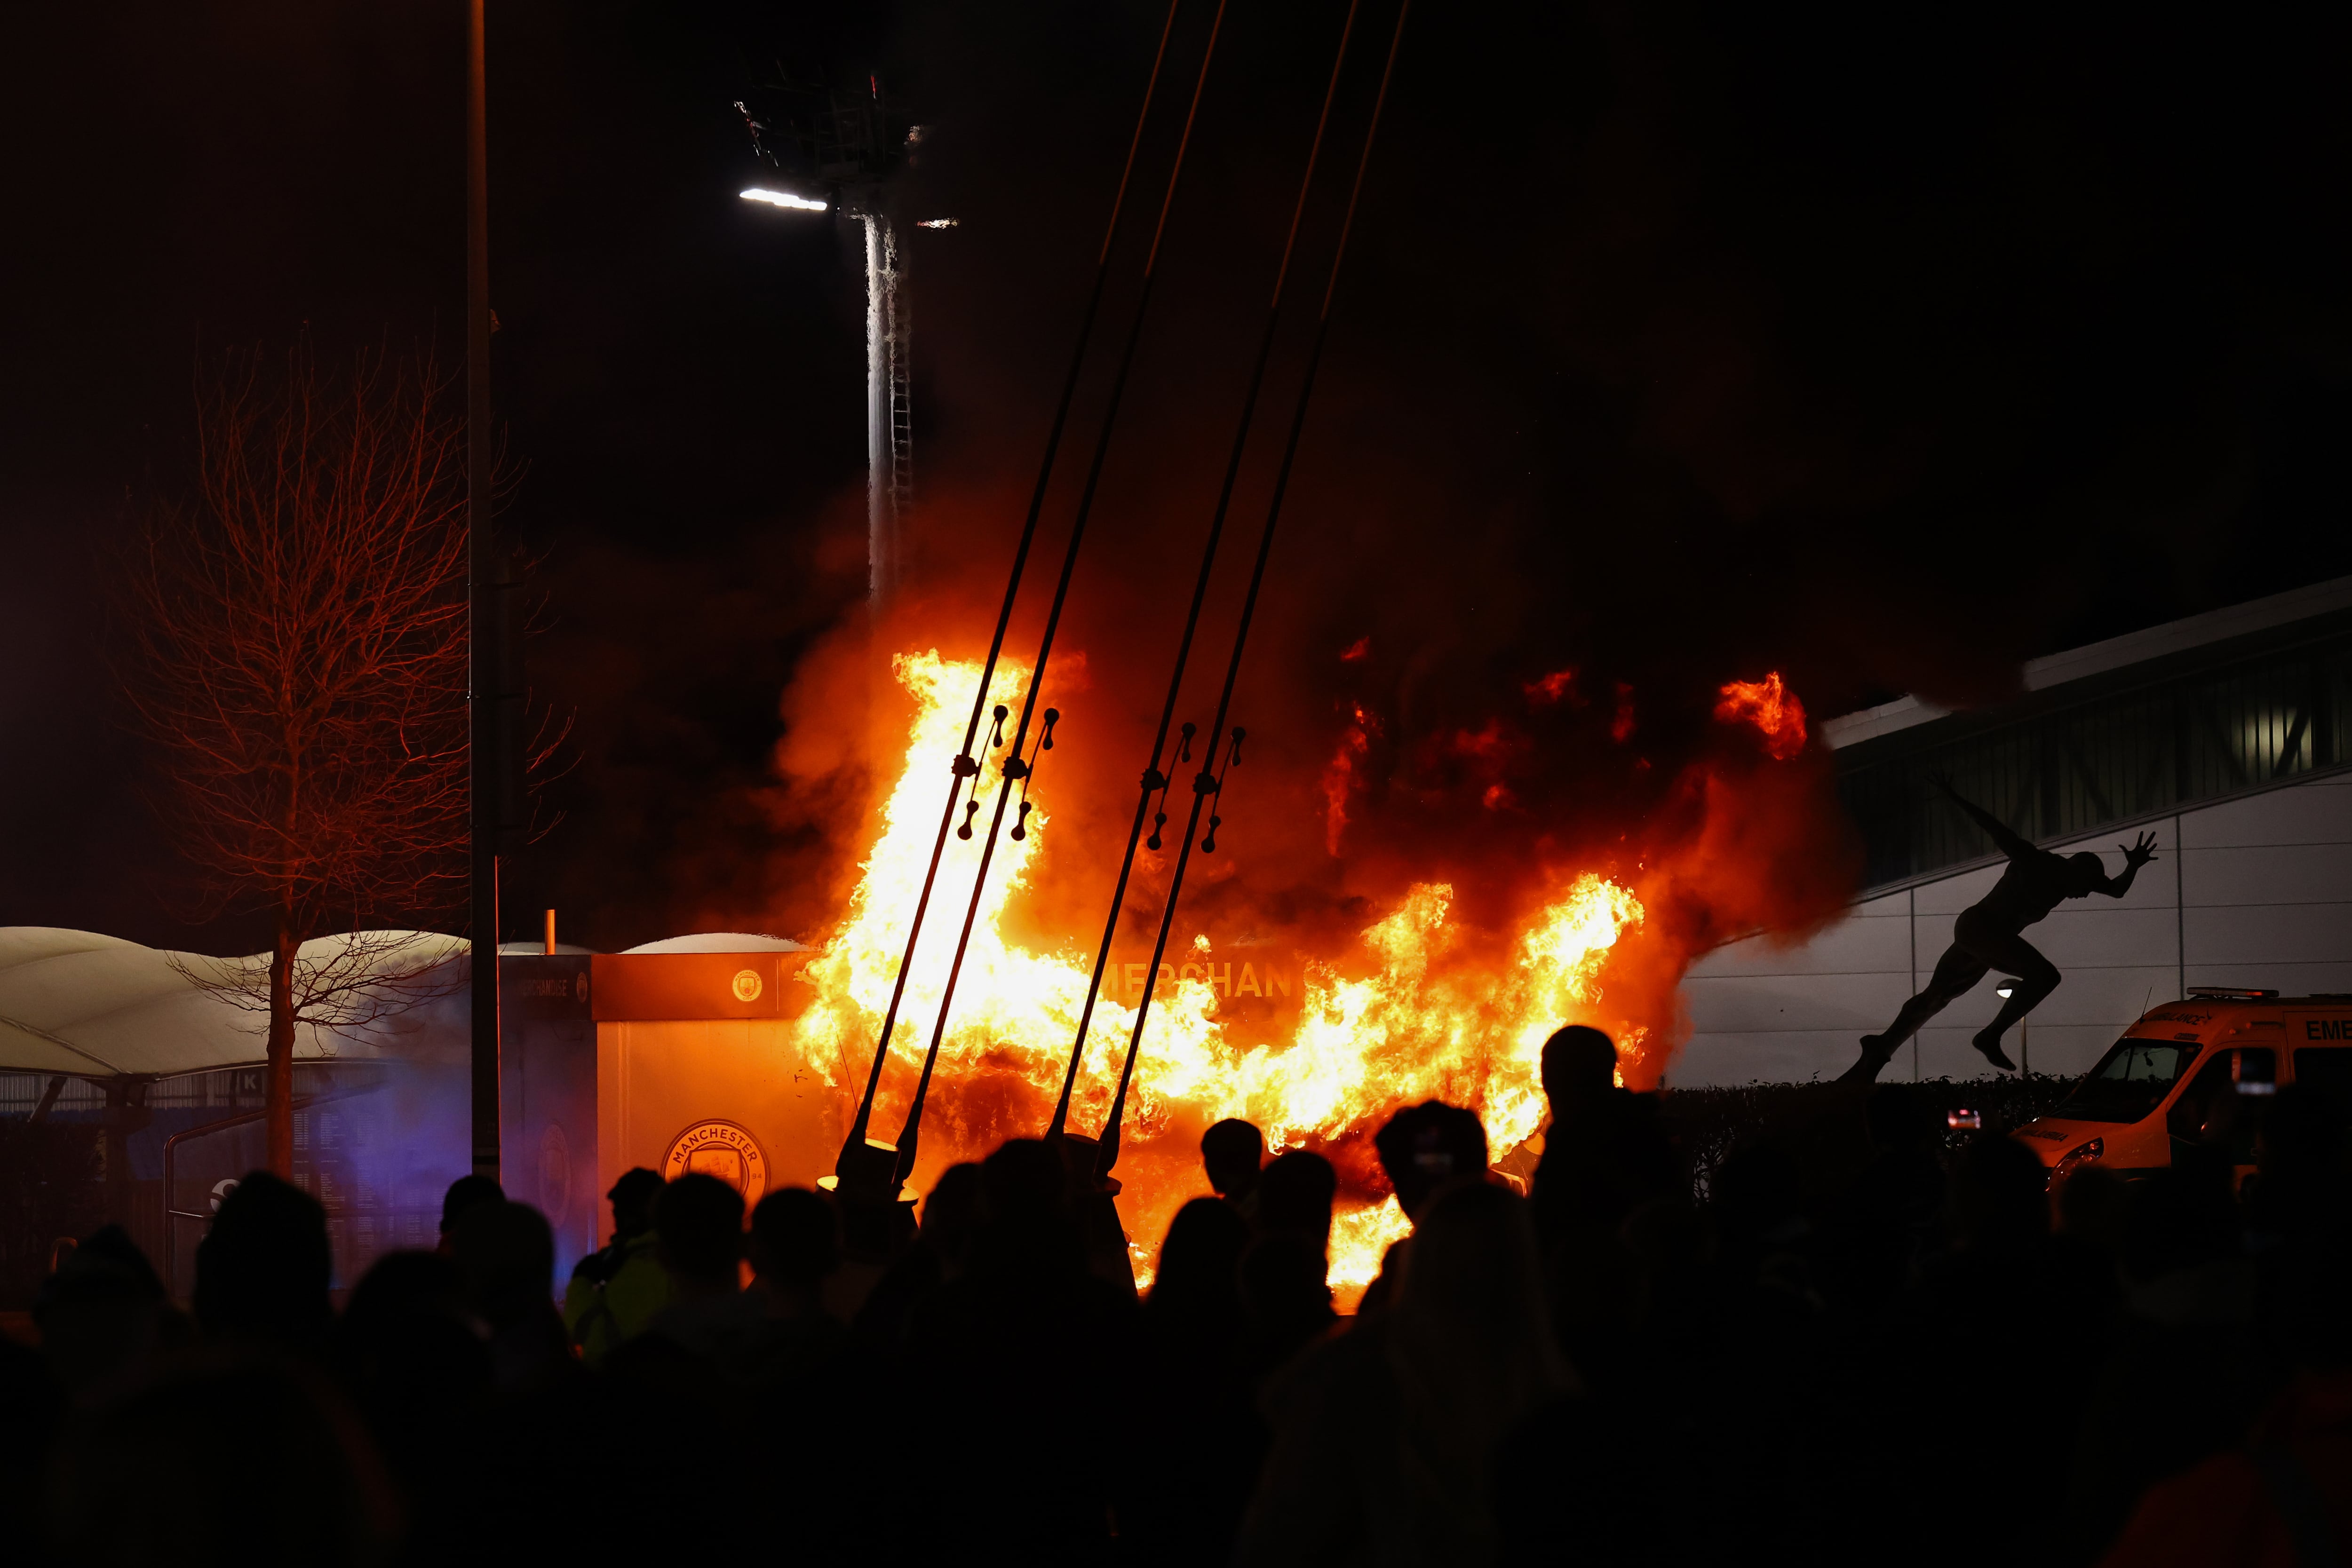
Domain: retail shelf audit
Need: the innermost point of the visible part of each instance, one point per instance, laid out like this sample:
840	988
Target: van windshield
2129	1081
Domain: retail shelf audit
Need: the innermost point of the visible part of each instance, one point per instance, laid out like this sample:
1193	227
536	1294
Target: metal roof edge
2099	658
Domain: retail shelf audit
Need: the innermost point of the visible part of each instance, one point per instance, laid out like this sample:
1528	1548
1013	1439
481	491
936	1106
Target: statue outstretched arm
2009	844
2136	856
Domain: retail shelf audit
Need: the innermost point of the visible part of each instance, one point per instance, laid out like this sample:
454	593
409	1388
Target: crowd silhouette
1910	1352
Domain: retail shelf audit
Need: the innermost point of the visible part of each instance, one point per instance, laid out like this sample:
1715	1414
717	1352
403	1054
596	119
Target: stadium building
2225	735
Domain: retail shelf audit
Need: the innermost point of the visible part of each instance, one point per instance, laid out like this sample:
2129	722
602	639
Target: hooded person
616	1291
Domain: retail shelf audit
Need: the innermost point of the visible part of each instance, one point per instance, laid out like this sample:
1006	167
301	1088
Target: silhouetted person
698	1224
1191	1436
1286	1271
409	1357
1385	1438
2184	1369
1580	1481
103	1313
2010	1306
1763	1341
819	1410
796	1247
940	1254
1421	1149
1295	1193
1986	938
1199	1275
1018	1367
616	1291
263	1268
1605	1154
2298	1185
465	1193
32	1412
505	1255
1231	1154
2095	1208
2283	1494
170	1471
688	1371
1893	1210
529	1493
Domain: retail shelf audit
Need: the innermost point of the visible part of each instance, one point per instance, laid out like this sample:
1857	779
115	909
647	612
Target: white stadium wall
2254	891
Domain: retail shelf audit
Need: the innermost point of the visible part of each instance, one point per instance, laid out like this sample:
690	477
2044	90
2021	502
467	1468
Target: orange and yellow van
2192	1071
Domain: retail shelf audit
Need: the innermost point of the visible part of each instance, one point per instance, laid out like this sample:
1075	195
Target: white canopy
89	1006
719	941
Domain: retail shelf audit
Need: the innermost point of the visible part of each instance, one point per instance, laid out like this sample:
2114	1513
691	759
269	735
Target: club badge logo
721	1149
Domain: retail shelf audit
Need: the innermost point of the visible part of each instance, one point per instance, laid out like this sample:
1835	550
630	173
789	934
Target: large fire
1413	1023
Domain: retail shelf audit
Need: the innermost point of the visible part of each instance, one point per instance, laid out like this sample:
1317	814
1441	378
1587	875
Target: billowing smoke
1677	352
1694	379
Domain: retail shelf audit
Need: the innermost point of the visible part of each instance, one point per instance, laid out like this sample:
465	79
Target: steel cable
1016	767
1208	783
1152	776
847	1166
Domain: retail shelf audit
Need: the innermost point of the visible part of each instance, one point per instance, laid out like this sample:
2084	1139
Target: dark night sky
1883	348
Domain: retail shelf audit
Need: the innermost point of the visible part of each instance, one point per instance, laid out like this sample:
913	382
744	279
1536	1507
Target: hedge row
1712	1124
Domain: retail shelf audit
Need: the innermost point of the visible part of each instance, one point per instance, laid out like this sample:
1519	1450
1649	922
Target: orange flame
1420	1024
1340	773
1772	708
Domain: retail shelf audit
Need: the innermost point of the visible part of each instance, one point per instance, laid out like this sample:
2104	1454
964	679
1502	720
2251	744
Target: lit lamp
783	199
2005	990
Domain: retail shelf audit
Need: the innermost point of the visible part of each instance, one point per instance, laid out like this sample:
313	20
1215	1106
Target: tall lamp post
857	147
485	579
889	444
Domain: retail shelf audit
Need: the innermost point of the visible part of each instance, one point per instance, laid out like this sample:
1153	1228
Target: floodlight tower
857	144
857	150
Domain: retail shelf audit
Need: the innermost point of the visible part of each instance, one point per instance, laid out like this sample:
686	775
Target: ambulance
2197	1071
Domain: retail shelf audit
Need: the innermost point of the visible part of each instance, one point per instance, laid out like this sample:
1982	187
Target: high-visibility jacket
613	1295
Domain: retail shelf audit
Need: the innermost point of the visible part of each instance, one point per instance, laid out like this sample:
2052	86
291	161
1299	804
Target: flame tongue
1429	1020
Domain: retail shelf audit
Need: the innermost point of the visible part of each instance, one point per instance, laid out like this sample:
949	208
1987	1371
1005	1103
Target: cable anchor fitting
1028	770
1155	780
1214	786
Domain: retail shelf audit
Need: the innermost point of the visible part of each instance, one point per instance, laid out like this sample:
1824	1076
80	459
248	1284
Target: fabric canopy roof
88	1006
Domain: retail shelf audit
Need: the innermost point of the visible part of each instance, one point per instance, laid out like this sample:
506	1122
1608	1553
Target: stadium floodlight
783	199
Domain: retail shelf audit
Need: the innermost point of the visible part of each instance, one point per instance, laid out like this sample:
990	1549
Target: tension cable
1153	778
1210	784
1016	769
854	1164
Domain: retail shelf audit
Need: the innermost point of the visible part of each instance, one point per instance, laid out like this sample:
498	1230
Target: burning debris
1421	1013
1431	967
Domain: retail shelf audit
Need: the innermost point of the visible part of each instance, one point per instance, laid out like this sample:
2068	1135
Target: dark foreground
1863	1345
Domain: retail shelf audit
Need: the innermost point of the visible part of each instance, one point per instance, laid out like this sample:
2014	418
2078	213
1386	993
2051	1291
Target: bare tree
300	632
